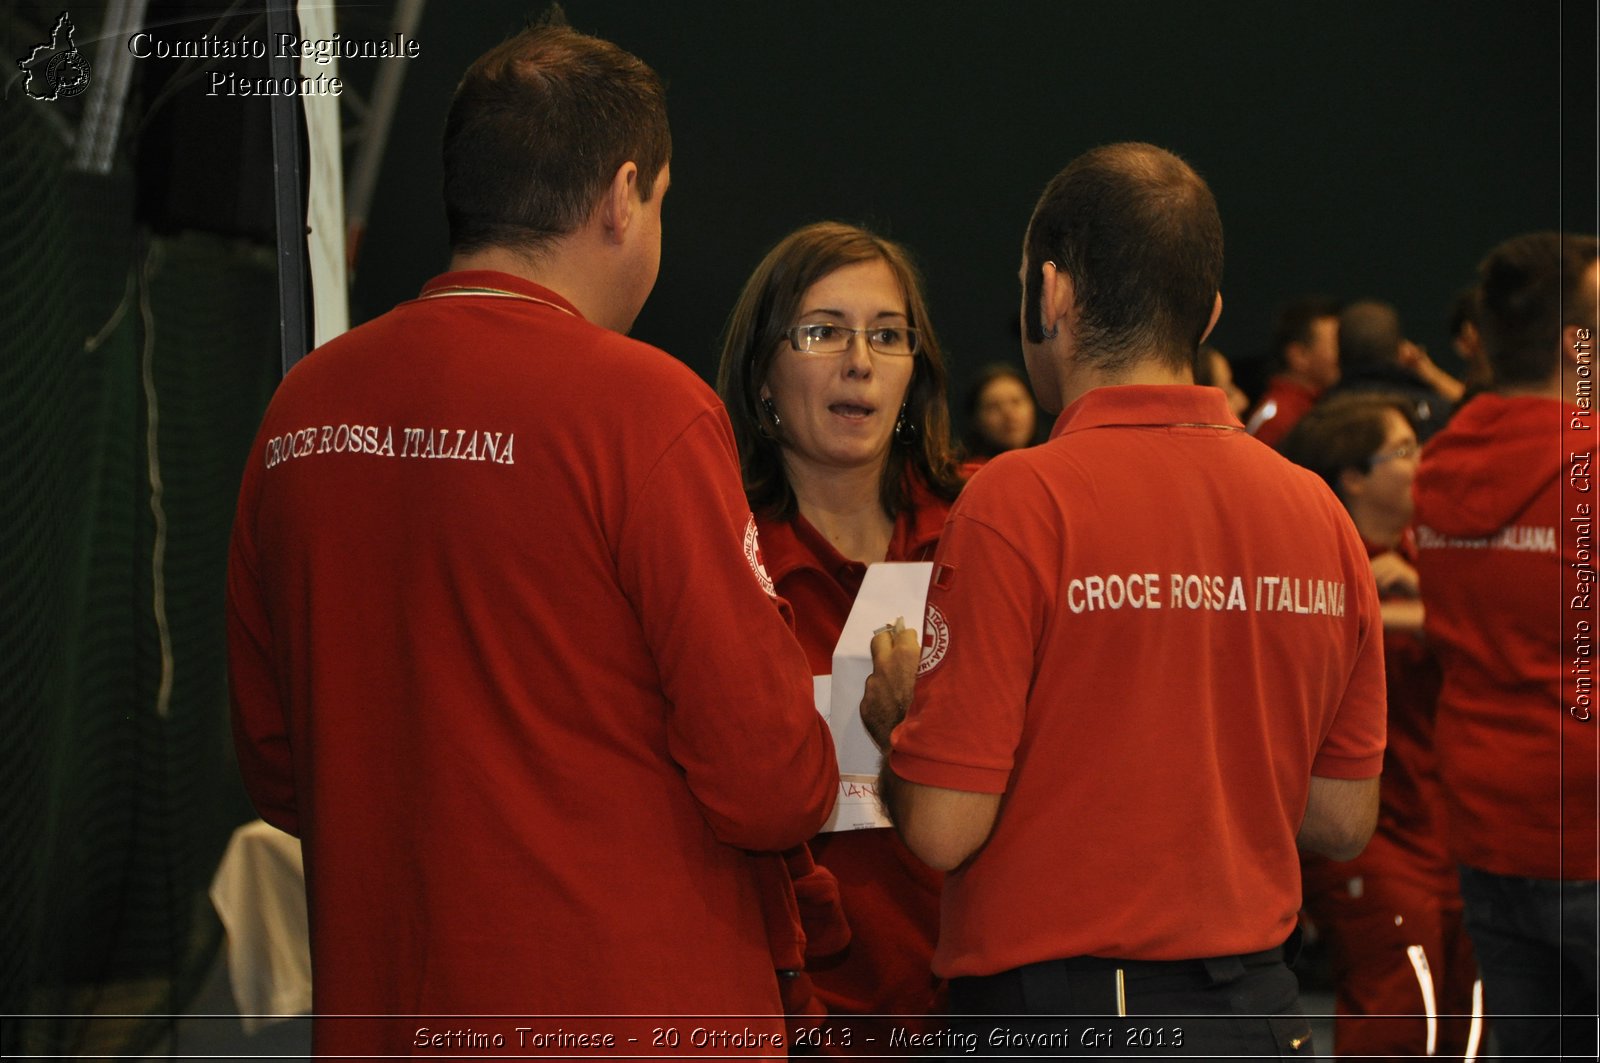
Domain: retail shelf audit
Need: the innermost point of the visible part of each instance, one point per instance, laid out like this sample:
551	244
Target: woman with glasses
1392	917
835	385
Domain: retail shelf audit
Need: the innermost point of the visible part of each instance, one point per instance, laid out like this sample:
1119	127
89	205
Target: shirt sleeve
755	752
260	728
1353	747
987	605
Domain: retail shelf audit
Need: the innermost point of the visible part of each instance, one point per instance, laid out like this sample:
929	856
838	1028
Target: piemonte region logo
56	71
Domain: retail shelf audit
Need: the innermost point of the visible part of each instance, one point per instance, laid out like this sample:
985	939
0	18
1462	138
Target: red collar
1147	405
1283	382
791	545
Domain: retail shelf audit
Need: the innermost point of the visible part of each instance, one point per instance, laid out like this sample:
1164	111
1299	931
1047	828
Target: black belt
1216	968
1095	984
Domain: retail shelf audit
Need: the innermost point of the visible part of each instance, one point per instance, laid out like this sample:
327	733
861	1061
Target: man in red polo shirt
1163	666
1306	351
502	651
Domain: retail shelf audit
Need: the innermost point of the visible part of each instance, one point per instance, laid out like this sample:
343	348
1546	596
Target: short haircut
1137	231
1341	433
1369	335
1295	322
539	126
765	311
1529	288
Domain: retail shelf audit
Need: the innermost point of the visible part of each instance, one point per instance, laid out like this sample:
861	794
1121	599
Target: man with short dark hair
1505	508
1305	351
503	653
1160	664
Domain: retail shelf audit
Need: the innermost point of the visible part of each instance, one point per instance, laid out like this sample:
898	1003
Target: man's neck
562	268
1080	380
1562	388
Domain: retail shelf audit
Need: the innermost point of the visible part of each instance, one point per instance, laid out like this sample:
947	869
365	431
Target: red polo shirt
1286	401
499	658
1156	630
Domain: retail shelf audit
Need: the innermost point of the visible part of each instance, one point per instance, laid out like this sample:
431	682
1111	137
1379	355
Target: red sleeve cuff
1332	766
969	778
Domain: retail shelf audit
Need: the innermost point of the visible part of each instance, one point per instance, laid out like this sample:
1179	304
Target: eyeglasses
895	340
1405	450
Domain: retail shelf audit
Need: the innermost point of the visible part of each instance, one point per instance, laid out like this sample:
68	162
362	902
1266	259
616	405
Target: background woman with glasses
835	385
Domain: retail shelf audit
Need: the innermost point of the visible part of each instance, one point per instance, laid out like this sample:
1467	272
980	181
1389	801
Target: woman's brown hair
767	308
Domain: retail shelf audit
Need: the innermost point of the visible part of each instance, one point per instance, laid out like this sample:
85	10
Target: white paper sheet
891	590
856	807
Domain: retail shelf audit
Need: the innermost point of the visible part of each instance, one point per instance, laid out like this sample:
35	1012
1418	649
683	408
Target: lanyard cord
493	293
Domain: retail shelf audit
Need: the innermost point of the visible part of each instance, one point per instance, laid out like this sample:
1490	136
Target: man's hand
896	653
942	827
1415	358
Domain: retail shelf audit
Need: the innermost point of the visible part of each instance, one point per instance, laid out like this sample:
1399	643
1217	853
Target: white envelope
891	590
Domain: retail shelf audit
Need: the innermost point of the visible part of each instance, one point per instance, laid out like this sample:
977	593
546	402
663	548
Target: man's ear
1294	356
621	200
1057	297
1351	483
1216	312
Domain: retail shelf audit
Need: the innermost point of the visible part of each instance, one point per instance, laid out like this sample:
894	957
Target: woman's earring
771	411
905	433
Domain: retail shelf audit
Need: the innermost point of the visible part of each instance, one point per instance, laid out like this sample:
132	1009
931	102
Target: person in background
1212	369
500	650
1505	546
1403	968
1305	351
1000	412
835	383
1376	358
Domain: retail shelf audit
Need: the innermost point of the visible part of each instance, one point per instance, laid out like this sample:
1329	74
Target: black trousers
1230	1007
